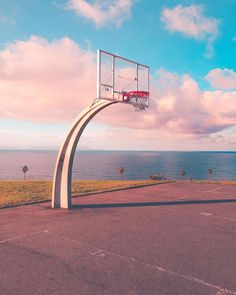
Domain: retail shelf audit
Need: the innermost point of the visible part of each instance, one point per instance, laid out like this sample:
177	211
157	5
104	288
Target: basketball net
138	99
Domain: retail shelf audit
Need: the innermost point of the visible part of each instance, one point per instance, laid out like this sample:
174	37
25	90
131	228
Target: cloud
157	139
191	22
234	39
224	79
53	81
221	105
26	139
41	80
177	105
183	107
102	12
226	138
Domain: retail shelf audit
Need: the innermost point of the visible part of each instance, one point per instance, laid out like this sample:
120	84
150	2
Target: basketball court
173	238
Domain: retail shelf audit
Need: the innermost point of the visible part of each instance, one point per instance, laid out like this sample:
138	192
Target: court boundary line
99	252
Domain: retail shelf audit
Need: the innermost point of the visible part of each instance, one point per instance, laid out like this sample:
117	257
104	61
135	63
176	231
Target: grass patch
17	192
222	182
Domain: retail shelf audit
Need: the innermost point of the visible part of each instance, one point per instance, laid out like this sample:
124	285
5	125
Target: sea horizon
119	150
102	164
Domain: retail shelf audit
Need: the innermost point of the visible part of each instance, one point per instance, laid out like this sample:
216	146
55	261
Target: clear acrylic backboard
122	79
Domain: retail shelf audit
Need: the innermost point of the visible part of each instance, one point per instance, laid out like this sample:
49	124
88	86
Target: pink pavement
176	238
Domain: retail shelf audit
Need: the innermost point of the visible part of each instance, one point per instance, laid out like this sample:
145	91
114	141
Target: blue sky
156	33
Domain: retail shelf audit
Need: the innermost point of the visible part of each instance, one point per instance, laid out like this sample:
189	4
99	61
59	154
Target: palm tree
25	169
210	172
182	172
120	170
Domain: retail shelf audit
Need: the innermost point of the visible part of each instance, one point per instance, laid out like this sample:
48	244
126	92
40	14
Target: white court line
160	268
211	215
180	198
224	218
214	189
206	214
207	191
20	237
95	253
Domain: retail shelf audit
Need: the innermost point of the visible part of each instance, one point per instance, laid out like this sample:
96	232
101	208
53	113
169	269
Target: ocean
137	164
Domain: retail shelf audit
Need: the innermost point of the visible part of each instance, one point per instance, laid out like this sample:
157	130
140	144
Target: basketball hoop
139	99
122	80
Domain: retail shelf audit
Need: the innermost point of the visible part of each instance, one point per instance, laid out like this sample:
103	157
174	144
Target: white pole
98	73
137	68
148	84
113	76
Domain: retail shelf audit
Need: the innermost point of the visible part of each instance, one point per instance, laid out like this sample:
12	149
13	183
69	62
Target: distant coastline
107	150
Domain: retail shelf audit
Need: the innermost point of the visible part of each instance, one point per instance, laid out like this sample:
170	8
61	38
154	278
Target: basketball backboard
122	79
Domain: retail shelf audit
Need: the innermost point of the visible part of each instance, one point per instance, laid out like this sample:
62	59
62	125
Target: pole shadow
151	204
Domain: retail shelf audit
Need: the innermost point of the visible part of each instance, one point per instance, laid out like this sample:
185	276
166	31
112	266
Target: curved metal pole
61	194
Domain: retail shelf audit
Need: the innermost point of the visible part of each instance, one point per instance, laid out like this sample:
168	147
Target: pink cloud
102	12
221	105
53	81
45	81
226	138
26	139
157	139
191	22
224	79
177	105
183	107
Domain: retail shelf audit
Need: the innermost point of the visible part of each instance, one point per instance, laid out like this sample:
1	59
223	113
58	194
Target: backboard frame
118	95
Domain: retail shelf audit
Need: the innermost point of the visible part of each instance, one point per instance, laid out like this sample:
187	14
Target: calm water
138	165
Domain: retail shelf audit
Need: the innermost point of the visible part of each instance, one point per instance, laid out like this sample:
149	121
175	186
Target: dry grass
14	192
222	182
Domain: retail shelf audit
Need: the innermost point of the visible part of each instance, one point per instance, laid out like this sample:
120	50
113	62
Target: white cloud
191	22
234	39
53	81
49	81
28	139
224	79
183	107
178	105
225	138
102	12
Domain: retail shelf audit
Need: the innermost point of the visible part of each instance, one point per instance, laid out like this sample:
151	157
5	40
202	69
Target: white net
138	99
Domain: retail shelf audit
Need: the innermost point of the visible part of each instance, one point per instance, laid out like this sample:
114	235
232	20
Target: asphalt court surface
176	238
